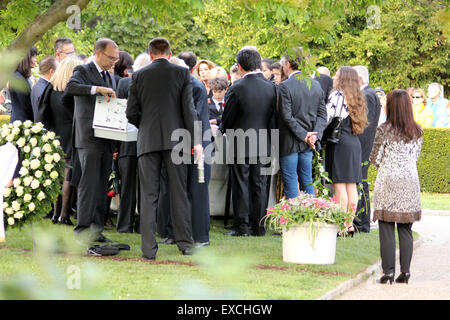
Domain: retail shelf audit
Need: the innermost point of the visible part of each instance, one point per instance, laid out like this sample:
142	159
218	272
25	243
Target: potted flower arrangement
309	224
41	171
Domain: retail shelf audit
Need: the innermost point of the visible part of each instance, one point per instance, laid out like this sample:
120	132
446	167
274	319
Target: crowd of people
165	93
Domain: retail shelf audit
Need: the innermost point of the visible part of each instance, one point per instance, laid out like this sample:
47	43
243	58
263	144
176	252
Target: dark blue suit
35	96
20	100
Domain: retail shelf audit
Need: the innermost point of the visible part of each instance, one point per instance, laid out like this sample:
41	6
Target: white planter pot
297	244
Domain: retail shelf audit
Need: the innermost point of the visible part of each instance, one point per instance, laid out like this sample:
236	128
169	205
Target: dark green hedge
434	161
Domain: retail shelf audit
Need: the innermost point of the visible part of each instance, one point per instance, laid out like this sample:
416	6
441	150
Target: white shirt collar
293	73
363	86
99	69
252	72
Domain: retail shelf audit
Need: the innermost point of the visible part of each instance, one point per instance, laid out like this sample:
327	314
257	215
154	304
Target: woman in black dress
343	159
58	117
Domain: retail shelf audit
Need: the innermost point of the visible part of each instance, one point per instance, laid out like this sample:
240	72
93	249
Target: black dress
343	159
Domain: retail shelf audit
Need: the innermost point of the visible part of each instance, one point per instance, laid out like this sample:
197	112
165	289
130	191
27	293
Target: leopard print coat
397	186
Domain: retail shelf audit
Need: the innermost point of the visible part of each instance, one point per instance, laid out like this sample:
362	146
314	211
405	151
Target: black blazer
21	108
126	149
326	83
201	107
301	110
214	113
250	104
36	94
79	86
373	114
160	102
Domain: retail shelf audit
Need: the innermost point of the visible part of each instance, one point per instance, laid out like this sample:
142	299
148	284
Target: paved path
430	268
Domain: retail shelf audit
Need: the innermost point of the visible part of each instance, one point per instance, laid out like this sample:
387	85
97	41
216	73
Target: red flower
282	220
285	207
353	206
111	194
269	211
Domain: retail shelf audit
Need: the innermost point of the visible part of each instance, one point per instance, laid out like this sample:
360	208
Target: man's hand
198	151
9	184
310	139
106	92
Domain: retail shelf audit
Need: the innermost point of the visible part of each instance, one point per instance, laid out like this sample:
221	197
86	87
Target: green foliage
433	164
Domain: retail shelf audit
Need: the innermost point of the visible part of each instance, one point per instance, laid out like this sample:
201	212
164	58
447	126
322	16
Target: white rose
5	131
10	221
9	210
47	182
15	131
35	184
23	171
35	163
15	205
31	206
56	157
16	182
48	158
36	129
40	125
51	135
41	196
6	192
27	124
10	138
56	143
27	149
19	191
45	138
38	174
36	152
21	142
47	147
27	181
26	163
33	142
54	175
26	132
18	215
17	123
48	167
27	198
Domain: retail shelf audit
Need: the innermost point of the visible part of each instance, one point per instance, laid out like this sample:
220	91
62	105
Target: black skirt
343	159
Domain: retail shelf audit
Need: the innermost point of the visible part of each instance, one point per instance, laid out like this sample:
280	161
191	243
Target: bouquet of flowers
41	171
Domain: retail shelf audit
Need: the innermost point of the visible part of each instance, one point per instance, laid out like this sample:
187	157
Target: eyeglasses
68	53
112	59
417	97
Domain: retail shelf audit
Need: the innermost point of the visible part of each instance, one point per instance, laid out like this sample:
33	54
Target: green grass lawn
231	268
435	201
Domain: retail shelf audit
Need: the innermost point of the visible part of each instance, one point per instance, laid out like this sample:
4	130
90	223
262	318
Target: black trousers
149	166
128	175
198	195
362	220
92	190
249	197
164	222
387	245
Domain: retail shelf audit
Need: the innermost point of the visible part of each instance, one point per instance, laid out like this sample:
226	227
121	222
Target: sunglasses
417	97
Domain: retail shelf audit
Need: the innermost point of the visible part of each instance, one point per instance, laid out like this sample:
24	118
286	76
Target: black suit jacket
373	114
36	94
214	113
79	86
301	110
201	106
250	104
160	102
20	99
326	83
126	149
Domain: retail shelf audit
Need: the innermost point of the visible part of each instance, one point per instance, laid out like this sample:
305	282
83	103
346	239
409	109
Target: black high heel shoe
385	278
65	221
55	220
403	278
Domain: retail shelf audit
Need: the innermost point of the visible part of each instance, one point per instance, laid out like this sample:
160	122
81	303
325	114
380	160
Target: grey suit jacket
79	86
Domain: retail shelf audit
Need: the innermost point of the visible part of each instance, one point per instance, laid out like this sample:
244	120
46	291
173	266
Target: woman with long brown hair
343	159
396	148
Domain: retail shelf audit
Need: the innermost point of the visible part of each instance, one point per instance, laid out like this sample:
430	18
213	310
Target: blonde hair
64	72
217	72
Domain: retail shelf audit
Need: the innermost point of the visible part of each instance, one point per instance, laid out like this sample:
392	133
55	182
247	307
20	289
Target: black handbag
332	132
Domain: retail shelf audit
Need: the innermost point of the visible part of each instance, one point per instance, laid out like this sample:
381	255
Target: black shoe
188	252
167	241
55	220
229	227
234	233
276	233
102	238
385	278
65	221
201	244
403	278
148	258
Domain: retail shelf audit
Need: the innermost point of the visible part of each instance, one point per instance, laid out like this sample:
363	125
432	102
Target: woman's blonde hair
348	83
64	72
422	93
210	65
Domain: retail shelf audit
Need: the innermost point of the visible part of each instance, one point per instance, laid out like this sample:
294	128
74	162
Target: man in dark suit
47	68
303	118
160	104
326	82
95	154
362	220
250	105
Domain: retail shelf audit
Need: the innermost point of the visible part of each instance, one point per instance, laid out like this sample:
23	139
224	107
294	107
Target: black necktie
220	107
106	78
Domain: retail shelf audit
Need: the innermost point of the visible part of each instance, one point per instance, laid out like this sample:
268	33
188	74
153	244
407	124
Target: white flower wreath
41	174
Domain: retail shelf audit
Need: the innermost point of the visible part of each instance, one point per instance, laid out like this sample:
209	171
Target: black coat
373	114
326	83
126	149
301	110
20	99
79	86
160	102
36	94
250	104
214	113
